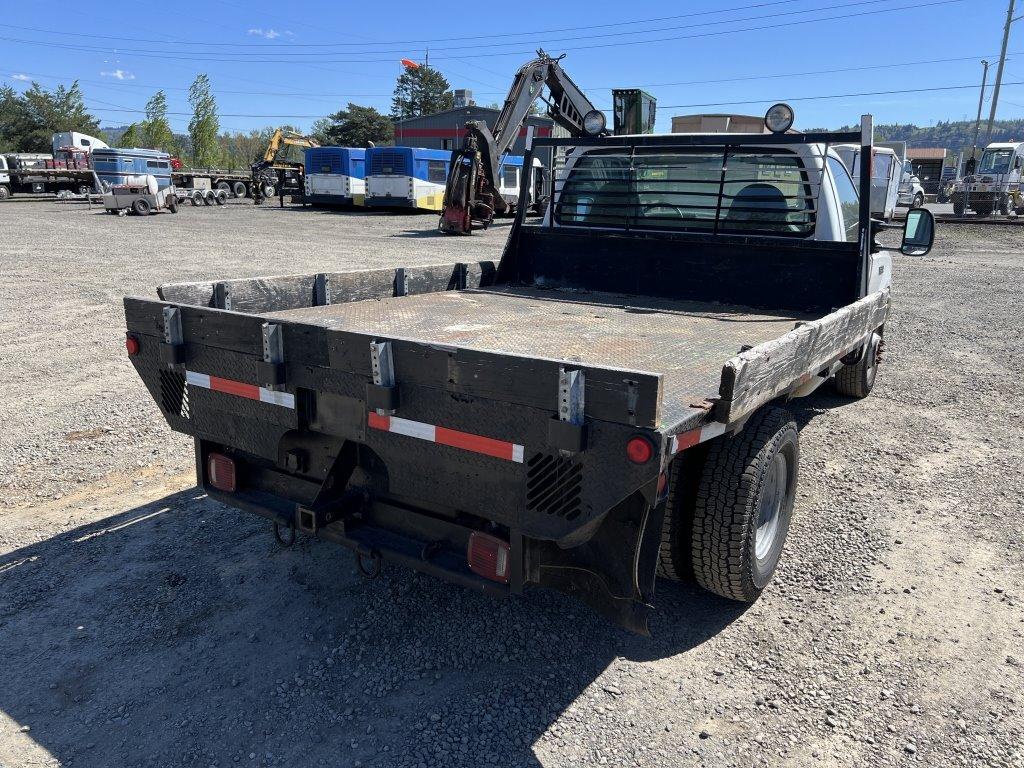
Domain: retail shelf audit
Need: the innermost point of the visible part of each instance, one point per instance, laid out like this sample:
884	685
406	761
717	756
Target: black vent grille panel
553	486
174	393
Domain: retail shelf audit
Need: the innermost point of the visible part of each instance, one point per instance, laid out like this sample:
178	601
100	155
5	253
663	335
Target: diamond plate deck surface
687	342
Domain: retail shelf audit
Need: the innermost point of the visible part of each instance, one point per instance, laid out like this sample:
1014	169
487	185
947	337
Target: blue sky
272	64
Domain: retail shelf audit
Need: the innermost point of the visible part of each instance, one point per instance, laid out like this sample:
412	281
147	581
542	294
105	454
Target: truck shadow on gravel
179	633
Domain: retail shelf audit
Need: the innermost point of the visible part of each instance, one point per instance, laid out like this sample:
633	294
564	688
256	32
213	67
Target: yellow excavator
275	174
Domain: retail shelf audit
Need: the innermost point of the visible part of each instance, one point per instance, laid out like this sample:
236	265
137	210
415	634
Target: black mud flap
614	571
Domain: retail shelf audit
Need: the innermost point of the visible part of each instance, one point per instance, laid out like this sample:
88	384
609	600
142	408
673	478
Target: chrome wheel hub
769	506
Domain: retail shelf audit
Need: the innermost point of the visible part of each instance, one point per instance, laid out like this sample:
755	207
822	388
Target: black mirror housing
918	233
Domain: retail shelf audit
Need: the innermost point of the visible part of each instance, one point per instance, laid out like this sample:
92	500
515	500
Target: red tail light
132	345
220	471
488	557
639	450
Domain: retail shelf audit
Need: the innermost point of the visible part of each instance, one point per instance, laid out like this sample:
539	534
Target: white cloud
118	74
269	34
19	76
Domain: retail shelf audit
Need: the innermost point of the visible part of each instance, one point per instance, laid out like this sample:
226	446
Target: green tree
355	126
132	137
14	119
420	91
204	125
156	130
43	113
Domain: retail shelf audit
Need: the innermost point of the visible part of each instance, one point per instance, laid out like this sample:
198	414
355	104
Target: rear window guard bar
864	138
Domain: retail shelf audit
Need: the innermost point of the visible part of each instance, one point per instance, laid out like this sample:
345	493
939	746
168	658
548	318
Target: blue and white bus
335	176
415	178
113	166
511	176
406	177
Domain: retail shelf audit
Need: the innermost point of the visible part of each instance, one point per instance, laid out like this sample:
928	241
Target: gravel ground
143	625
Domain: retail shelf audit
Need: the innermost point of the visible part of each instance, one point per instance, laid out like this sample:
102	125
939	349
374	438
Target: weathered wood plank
761	374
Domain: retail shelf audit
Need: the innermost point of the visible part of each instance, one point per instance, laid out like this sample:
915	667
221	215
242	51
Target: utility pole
999	72
981	100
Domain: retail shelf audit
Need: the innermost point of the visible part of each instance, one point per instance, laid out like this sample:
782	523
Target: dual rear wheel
726	523
728	512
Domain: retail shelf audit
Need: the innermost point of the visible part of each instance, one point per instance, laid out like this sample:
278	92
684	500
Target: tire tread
726	505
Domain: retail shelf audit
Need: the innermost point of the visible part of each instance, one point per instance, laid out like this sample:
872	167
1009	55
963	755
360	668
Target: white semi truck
995	184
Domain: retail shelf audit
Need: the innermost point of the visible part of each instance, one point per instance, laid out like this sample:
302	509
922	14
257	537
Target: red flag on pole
410	64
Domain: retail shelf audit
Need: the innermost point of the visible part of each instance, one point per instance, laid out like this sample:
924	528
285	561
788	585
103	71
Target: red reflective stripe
687	440
486	445
250	391
377	421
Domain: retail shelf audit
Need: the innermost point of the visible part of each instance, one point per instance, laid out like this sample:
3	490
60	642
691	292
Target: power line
405	42
715	81
829	96
491	52
815	97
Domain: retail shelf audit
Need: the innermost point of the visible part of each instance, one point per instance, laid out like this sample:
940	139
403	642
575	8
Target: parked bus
335	176
406	177
511	176
113	166
410	177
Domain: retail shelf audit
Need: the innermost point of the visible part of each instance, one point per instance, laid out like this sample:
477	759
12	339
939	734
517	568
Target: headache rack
745	184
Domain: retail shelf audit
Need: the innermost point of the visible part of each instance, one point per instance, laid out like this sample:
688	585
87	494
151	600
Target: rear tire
4	192
674	553
239	189
858	380
220	197
959	208
918	201
141	207
172	204
744	505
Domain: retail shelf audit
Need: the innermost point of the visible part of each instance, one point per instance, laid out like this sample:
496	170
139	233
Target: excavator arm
471	191
264	171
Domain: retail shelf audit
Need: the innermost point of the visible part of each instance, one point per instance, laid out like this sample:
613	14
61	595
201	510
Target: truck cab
911	190
995	184
887	177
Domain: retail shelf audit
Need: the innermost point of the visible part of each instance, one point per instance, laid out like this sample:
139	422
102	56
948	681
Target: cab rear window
719	190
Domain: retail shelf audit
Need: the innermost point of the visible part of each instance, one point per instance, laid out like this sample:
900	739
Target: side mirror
918	233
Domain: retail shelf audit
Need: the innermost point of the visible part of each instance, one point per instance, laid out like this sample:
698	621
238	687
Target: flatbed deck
686	342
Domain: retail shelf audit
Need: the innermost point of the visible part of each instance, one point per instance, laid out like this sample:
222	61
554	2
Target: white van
887	172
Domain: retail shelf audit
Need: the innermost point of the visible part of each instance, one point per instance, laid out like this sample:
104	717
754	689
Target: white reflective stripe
517	453
287	399
714	429
412	428
197	379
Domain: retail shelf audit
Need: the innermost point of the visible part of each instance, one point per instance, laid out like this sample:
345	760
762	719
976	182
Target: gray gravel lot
143	625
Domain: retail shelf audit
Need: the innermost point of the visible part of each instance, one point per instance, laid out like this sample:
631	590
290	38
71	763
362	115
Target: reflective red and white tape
689	439
488	446
241	389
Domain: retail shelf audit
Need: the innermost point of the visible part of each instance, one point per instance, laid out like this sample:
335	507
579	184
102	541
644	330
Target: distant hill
112	134
952	135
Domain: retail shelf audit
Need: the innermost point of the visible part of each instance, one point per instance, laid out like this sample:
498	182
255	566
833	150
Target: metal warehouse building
444	130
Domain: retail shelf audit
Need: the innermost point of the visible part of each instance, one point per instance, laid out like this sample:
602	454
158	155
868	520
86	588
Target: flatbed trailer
578	416
236	182
38	180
